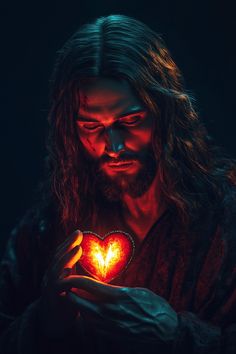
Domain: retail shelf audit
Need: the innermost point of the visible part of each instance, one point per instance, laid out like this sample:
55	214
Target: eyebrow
131	111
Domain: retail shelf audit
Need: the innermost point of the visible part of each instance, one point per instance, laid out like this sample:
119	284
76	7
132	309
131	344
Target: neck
141	213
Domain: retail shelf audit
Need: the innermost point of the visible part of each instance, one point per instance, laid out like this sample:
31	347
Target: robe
194	271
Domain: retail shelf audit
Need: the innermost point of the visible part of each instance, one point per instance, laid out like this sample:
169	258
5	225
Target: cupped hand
126	312
57	313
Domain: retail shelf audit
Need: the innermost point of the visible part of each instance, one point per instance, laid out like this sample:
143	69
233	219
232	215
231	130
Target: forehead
108	97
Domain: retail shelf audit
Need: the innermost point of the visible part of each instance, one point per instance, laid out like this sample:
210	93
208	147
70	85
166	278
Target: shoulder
32	233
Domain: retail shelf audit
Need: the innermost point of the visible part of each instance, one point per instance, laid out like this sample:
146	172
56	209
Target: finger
93	286
79	237
61	268
74	239
75	258
68	260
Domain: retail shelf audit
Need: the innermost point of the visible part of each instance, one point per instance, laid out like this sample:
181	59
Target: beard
114	187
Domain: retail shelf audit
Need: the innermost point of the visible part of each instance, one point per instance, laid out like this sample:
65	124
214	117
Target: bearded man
127	153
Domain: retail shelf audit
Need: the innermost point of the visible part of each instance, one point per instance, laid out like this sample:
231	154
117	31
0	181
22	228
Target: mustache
121	158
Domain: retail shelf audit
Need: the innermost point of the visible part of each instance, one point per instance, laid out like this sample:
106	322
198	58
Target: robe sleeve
19	300
212	329
195	336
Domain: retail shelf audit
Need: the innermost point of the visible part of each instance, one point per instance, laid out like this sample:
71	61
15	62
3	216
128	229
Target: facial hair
113	188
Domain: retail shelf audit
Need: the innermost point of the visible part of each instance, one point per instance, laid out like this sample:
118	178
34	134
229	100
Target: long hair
192	170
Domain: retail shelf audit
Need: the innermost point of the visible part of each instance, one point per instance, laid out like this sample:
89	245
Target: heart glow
106	257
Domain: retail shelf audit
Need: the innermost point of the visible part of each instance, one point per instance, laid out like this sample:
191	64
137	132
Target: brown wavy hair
193	171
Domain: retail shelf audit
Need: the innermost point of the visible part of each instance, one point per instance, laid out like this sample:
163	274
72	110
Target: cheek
92	144
139	138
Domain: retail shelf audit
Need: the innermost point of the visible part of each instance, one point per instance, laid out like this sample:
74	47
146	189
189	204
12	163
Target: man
126	152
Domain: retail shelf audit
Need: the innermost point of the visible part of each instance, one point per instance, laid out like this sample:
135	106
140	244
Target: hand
127	312
57	313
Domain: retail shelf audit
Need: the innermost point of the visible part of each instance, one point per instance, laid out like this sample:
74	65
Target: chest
104	224
170	264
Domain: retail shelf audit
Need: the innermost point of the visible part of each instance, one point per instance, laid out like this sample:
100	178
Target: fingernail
76	232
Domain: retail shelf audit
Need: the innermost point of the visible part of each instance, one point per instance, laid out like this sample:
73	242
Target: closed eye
131	121
89	126
127	121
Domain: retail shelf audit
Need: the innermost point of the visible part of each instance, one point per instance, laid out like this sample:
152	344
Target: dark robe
195	272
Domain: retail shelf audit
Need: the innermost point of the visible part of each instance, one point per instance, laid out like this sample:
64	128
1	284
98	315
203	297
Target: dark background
199	34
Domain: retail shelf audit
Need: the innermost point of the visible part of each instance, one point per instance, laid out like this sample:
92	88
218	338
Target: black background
199	34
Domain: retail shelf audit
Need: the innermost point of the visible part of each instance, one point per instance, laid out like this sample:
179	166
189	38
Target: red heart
106	257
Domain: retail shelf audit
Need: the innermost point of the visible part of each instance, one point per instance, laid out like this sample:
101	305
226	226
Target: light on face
111	115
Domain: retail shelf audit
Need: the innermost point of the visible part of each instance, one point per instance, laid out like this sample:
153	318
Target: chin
114	189
134	180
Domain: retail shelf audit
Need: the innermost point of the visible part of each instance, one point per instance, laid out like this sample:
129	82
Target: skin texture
127	313
108	128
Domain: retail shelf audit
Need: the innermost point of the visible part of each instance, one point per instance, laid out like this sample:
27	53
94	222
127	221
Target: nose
114	142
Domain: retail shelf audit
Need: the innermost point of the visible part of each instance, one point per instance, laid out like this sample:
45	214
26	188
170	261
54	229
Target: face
115	130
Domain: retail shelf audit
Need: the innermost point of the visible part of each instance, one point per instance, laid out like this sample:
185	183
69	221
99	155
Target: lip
121	165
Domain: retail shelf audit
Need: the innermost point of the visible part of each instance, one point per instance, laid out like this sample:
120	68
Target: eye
89	126
131	121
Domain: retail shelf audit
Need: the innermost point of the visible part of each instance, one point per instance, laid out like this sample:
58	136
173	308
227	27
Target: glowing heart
106	257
